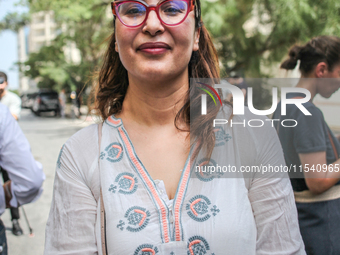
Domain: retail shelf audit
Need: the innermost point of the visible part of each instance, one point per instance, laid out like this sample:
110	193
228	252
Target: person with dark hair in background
126	186
13	102
26	175
79	101
62	103
312	146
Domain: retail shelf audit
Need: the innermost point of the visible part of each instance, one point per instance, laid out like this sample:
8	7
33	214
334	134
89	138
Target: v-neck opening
120	123
151	186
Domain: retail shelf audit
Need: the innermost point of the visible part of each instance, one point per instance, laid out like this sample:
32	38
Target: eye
174	7
131	9
134	11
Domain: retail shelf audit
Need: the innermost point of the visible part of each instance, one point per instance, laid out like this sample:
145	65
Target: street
46	135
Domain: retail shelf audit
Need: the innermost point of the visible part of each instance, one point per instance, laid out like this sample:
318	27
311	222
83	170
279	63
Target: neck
154	103
3	93
308	82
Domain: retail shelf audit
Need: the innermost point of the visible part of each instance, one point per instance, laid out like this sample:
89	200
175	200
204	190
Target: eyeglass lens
171	12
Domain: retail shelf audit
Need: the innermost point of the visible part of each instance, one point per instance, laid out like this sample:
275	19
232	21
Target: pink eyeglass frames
134	13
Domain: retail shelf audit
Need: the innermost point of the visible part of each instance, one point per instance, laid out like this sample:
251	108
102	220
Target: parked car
27	100
44	101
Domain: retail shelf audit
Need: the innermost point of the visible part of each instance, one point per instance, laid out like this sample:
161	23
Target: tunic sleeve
72	220
272	200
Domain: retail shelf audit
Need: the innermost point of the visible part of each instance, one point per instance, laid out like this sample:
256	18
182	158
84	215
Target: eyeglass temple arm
113	8
192	5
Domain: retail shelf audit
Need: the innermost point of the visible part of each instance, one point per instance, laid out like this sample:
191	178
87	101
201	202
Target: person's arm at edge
25	173
16	107
319	182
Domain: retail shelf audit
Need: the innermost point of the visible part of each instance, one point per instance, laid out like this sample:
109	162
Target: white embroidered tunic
210	214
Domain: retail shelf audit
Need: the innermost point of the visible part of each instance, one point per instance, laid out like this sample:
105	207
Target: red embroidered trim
148	182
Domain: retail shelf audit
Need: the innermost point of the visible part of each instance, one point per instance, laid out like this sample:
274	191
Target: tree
250	35
253	34
83	23
50	68
14	21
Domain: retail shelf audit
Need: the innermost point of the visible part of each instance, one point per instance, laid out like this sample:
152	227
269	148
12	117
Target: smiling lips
154	48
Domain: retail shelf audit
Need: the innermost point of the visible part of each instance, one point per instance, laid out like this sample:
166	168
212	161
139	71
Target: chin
158	74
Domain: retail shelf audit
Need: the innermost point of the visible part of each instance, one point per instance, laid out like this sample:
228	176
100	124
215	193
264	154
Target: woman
152	204
311	147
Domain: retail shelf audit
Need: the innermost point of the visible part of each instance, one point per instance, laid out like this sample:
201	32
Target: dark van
45	101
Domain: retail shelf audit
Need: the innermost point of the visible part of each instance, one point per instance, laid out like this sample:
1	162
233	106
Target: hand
8	192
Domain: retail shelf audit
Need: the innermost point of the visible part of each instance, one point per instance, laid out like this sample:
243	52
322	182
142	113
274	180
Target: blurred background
48	46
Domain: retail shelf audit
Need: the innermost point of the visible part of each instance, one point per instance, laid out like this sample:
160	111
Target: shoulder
245	123
293	110
79	155
251	132
85	139
13	96
80	150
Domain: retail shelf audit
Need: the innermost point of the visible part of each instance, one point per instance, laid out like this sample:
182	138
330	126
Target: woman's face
156	52
331	84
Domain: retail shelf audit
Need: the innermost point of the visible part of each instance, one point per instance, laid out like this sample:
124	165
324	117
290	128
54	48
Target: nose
152	24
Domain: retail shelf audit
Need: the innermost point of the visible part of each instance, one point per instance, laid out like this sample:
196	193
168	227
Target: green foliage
82	23
14	21
250	35
253	34
50	67
15	91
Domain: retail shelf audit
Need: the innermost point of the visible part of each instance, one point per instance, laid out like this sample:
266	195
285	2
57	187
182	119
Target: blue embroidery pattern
220	136
137	219
198	208
102	155
203	168
197	245
126	184
114	152
59	157
120	225
146	249
214	210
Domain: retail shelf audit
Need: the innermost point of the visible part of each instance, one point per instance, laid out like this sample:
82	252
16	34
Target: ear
197	39
321	70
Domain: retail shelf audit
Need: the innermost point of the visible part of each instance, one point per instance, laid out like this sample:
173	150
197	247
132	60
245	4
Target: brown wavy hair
112	84
319	49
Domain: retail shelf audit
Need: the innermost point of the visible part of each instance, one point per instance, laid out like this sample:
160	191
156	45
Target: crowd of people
126	186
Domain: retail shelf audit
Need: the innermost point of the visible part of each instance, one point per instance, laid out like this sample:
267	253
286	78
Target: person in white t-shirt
8	98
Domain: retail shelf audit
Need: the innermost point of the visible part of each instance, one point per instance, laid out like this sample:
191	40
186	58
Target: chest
163	155
209	214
